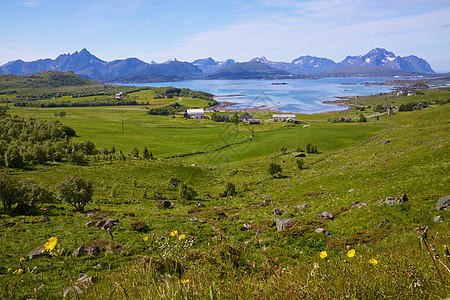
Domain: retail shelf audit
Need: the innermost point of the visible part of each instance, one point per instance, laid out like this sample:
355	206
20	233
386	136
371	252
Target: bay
296	95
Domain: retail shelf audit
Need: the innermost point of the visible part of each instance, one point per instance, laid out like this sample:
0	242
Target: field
237	251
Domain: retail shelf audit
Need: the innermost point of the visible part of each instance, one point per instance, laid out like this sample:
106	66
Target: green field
227	261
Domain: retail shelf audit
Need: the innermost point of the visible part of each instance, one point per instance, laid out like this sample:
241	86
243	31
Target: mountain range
377	62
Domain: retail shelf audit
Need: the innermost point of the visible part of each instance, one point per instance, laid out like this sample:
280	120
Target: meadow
219	246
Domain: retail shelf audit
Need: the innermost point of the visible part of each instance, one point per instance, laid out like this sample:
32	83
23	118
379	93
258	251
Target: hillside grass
226	261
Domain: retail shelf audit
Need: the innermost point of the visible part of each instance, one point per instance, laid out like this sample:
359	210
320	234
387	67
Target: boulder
90	224
163	204
302	207
80	251
200	205
321	230
358	205
260	232
283	223
443	203
37	252
396	199
44	219
300	155
325	215
277	211
93	251
437	219
193	219
246	227
385	142
382	223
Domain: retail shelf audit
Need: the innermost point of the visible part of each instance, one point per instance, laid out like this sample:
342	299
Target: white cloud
31	3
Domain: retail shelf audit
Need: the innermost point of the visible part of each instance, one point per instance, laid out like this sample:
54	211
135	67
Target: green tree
300	163
10	191
275	169
229	190
362	118
75	191
134	152
235	118
283	150
145	153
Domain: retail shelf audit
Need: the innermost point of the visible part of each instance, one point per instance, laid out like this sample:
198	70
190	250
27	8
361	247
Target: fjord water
297	95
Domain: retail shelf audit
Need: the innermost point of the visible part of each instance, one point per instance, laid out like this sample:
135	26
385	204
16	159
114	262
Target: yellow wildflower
373	261
9	270
323	254
22	259
145	238
51	244
20	271
173	233
351	253
185	281
348	247
182	237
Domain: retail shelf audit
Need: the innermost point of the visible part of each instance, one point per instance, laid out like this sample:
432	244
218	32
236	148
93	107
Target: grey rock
246	226
200	205
84	280
358	205
37	252
302	207
385	142
325	215
163	204
106	223
91	215
90	224
93	251
193	219
438	219
283	223
260	232
396	199
382	223
321	230
277	211
44	219
80	251
443	203
300	155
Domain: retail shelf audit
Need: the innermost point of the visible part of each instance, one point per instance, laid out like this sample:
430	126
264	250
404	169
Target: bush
230	190
300	163
275	169
75	191
10	191
186	192
362	118
137	226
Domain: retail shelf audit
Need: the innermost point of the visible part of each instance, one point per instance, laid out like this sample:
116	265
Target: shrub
75	191
275	169
137	226
230	190
186	192
300	163
362	118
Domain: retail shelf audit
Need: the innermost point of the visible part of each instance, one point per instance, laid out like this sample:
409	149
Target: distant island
377	62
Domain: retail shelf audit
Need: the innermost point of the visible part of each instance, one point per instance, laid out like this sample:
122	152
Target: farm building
284	117
246	118
194	113
119	95
254	122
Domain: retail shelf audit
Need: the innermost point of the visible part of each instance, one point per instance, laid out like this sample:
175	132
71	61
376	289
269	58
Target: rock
300	155
382	223
260	232
443	203
246	226
93	251
193	219
128	214
90	224
80	251
321	230
106	223
37	252
200	205
277	211
302	207
358	205
91	215
283	223
385	142
163	204
437	219
267	201
325	215
44	219
396	199
282	161
84	280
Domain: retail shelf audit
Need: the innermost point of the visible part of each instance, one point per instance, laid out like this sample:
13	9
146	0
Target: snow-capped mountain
210	66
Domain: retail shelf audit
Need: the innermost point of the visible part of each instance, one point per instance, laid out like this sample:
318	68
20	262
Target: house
119	95
194	113
254	122
410	94
224	118
246	118
284	117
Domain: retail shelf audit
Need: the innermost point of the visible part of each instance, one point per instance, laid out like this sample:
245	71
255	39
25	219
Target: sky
280	30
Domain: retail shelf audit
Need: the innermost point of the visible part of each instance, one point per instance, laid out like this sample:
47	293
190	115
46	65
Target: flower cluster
174	246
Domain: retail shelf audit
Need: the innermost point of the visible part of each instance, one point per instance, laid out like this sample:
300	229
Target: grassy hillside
237	251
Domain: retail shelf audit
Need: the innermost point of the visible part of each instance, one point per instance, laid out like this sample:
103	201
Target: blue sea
297	95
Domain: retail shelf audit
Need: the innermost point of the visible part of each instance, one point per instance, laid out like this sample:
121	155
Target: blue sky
280	30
